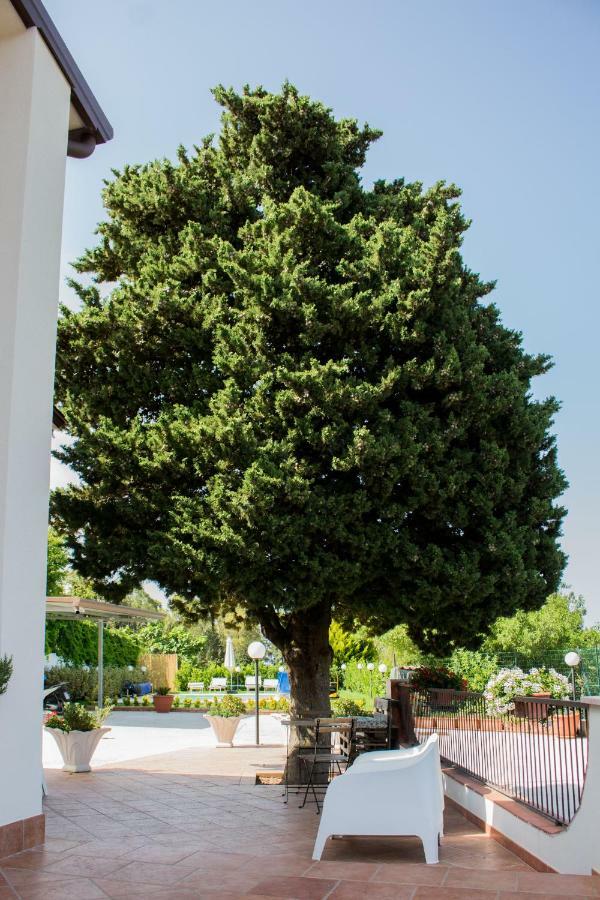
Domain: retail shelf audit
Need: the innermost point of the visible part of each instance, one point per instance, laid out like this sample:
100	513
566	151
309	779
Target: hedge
82	683
77	643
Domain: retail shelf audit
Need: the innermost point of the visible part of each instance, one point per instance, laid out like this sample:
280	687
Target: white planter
77	747
224	729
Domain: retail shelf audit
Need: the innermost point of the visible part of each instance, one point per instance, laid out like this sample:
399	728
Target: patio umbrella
229	662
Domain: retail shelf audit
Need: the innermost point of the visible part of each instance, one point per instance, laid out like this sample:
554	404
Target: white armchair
389	792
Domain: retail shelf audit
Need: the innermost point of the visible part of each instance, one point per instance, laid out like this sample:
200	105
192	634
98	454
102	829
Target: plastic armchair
400	793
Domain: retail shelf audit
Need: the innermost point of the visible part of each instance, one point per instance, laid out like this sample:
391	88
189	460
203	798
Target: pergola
101	612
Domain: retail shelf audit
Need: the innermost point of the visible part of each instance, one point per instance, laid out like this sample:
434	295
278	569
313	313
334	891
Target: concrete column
34	112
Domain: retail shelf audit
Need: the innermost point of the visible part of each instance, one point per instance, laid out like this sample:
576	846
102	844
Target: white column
34	111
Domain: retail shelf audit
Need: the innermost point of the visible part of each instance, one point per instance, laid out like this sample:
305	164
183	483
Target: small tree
288	397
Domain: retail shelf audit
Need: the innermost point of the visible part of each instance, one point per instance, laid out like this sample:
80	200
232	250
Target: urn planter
77	747
224	728
163	702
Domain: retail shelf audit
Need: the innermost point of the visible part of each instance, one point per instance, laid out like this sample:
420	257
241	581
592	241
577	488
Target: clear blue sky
502	98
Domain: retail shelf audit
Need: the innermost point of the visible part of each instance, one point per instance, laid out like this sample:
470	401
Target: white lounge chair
251	682
218	684
195	685
270	684
388	792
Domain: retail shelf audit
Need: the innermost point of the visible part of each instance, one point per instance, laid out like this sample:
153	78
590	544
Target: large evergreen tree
286	395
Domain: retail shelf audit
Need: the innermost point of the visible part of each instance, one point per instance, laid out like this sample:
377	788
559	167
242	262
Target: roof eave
34	14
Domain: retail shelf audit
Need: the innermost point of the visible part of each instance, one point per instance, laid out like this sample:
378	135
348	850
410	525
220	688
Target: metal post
573	681
101	663
256	694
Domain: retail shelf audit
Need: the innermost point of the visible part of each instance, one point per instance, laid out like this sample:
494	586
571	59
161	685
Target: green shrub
344	706
228	706
187	703
363	681
75	717
176	703
427	677
474	666
82	683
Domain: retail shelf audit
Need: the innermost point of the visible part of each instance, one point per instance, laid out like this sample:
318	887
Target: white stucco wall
34	114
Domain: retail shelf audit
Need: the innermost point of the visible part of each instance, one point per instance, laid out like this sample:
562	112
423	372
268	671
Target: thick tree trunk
308	657
304	644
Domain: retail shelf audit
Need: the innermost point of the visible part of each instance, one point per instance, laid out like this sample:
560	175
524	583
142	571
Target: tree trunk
305	647
308	657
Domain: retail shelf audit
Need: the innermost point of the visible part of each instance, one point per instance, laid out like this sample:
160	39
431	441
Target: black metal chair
329	756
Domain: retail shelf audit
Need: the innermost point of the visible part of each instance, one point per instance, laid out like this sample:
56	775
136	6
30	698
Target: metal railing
536	754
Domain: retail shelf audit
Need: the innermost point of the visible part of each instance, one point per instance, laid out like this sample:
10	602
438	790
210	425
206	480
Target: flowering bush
507	684
427	677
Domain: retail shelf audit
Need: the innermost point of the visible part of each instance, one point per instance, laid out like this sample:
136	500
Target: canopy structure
101	612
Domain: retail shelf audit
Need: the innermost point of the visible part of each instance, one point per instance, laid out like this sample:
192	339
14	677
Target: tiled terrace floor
192	824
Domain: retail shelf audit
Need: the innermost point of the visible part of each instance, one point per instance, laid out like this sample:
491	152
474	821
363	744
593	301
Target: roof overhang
89	120
79	608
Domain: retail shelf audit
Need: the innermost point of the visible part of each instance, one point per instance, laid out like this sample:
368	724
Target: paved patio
191	823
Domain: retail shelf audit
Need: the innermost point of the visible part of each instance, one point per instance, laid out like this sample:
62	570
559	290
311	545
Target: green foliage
82	683
474	666
427	677
163	691
558	625
350	645
76	642
397	647
344	706
6	670
362	681
227	706
57	564
312	408
75	717
168	636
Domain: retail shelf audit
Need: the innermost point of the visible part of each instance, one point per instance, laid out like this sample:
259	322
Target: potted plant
6	669
440	684
224	716
163	699
77	732
503	689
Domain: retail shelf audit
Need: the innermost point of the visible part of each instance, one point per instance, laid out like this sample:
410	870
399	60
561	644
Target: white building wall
34	113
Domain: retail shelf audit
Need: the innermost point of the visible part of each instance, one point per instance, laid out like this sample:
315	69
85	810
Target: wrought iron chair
329	756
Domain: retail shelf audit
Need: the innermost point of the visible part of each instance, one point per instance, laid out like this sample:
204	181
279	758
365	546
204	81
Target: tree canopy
286	394
558	625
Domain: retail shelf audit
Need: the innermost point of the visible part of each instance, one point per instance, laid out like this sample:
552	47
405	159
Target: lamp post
370	667
256	651
572	659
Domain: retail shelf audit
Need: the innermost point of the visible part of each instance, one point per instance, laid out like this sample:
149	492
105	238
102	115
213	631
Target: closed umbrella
229	656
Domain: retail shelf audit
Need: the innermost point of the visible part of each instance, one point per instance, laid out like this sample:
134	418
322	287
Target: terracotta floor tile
77	865
118	889
408	873
278	864
294	887
355	890
73	889
349	871
6	892
518	895
32	859
483	879
443	893
153	874
561	885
